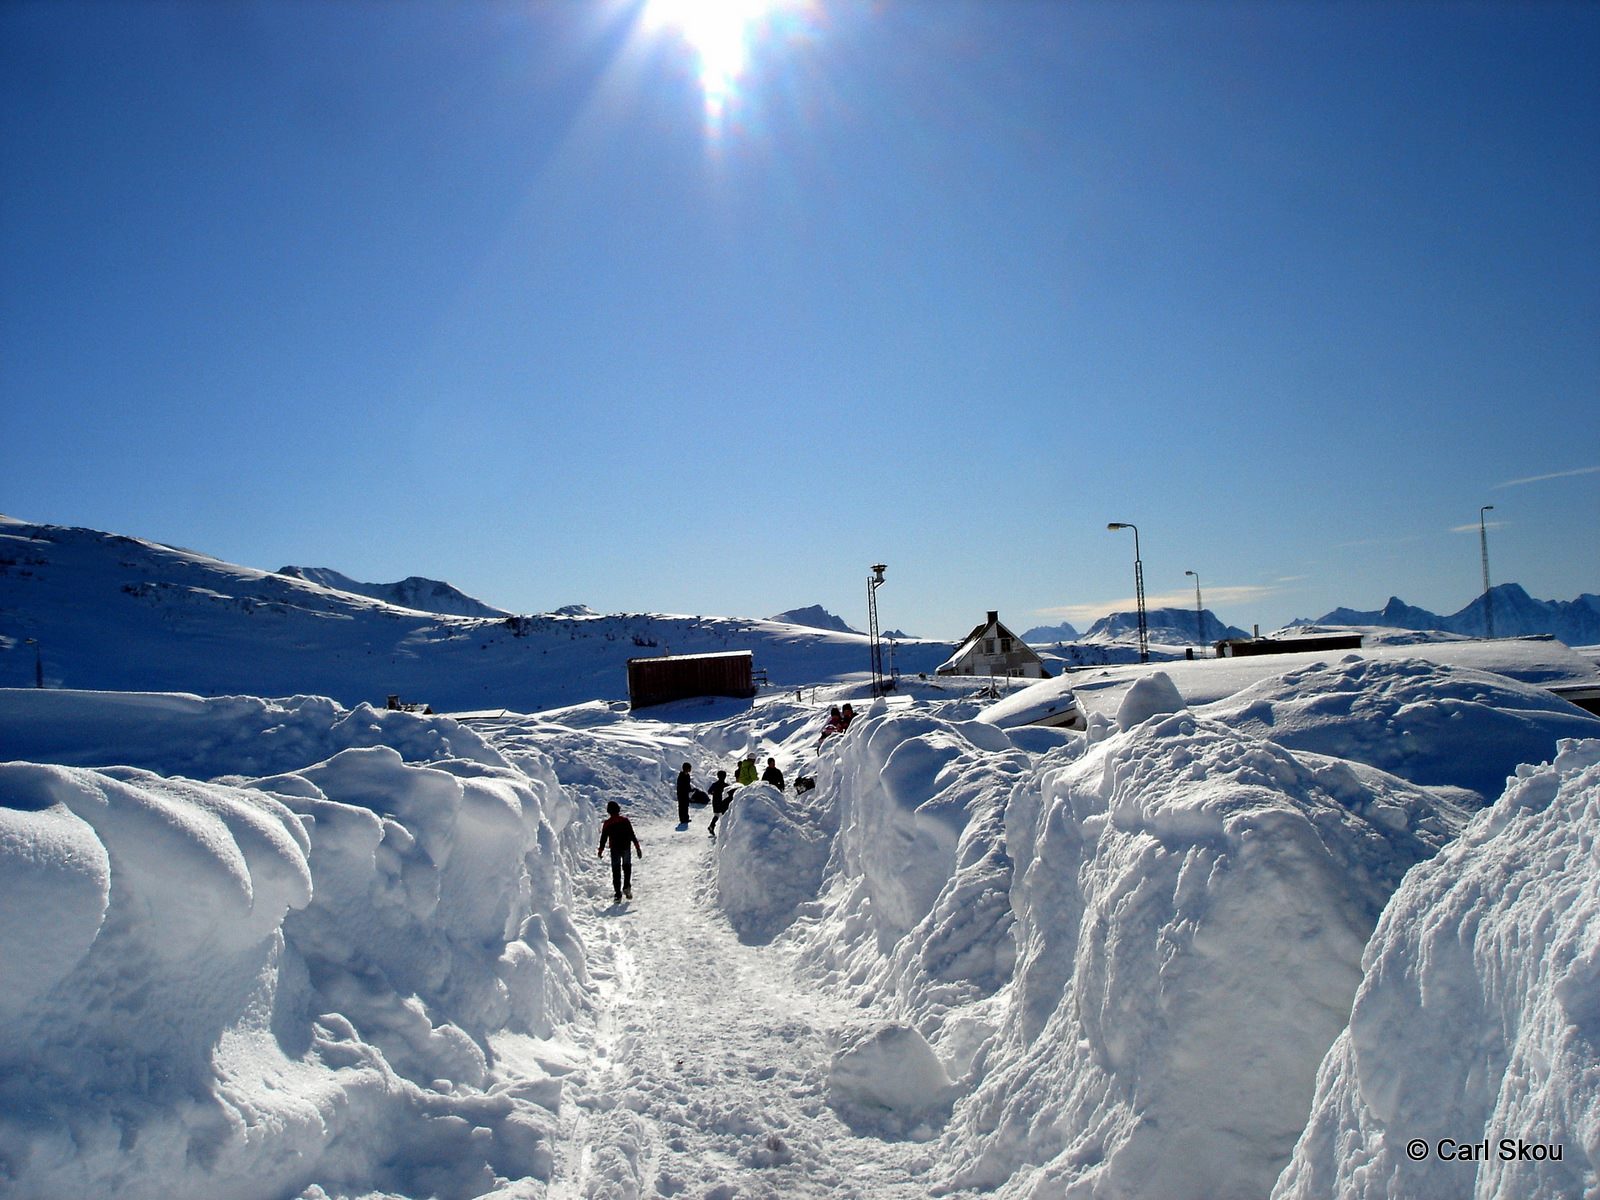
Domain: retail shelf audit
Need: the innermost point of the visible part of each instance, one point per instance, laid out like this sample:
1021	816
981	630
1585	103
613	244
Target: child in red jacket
618	830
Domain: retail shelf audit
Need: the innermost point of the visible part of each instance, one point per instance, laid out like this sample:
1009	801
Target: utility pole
1138	589
1199	613
1488	596
874	582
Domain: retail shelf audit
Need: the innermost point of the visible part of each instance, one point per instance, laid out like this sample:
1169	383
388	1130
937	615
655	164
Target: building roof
690	657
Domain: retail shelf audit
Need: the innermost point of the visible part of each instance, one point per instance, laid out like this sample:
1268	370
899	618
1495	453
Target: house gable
992	649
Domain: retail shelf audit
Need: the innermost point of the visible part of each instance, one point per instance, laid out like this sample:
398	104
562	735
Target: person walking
618	831
719	800
684	788
772	775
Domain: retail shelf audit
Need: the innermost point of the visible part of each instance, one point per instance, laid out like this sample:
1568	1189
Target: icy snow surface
288	948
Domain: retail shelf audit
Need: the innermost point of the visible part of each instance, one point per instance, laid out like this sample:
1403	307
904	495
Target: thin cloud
1081	614
1473	527
1383	541
1552	475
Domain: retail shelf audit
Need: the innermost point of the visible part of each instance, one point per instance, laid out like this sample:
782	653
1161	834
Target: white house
992	649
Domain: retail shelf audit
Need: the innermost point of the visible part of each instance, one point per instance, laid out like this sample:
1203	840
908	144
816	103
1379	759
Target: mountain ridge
1516	614
414	591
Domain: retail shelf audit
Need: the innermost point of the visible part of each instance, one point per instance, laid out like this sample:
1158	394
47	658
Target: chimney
994	617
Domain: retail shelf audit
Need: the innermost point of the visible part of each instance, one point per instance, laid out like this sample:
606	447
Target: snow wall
1471	1065
1129	954
263	984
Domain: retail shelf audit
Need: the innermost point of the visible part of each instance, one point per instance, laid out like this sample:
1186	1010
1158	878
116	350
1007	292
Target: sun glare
720	32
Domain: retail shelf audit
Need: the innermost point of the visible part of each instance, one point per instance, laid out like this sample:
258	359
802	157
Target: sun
721	33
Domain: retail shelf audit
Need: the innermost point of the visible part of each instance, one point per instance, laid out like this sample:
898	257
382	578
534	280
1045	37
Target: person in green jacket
745	775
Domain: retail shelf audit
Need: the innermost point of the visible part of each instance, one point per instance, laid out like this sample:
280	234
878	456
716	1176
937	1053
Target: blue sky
484	292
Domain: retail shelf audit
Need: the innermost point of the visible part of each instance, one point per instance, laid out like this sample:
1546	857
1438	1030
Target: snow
1478	1017
1247	933
1410	717
1539	662
237	987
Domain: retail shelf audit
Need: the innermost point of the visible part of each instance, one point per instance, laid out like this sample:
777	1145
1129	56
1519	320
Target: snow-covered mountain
424	595
111	612
1516	614
1044	635
1169	626
813	617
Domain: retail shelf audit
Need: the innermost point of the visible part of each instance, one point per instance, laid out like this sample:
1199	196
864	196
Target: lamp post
874	582
38	661
1138	588
1199	613
1488	596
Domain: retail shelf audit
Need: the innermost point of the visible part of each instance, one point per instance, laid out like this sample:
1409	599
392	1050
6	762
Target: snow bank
250	987
178	734
1471	1060
1191	905
1432	724
770	853
915	915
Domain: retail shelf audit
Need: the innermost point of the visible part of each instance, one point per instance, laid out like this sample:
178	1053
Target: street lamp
1138	588
1199	614
38	661
1488	596
874	582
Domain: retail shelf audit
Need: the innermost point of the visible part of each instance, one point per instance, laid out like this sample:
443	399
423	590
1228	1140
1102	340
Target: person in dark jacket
684	788
618	831
719	800
772	775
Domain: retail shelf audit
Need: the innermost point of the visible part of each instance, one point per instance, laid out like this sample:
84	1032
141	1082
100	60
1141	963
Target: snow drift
1129	949
1451	727
1476	1031
252	986
1191	908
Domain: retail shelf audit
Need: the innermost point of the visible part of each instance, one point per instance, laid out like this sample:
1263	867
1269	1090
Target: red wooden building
680	676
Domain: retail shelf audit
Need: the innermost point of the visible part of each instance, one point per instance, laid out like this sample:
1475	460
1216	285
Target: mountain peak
814	617
414	592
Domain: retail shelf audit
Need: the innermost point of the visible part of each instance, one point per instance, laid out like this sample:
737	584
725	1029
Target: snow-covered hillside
106	611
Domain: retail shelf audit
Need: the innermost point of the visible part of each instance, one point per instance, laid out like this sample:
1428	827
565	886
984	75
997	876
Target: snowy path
708	1076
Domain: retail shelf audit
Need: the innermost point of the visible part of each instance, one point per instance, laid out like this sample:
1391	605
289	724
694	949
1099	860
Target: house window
1005	645
988	645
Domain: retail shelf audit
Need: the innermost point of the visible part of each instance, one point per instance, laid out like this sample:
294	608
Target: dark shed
679	676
